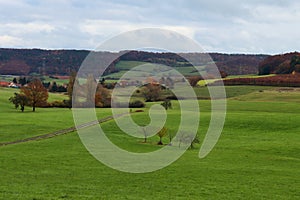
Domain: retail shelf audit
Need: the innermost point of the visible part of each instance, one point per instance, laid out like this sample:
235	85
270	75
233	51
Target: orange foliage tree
36	93
193	80
102	97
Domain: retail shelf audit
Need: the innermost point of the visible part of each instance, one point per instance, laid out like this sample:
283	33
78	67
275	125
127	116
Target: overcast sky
229	26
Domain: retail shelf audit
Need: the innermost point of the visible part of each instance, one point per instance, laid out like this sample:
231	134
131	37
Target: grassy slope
231	91
257	157
274	94
125	66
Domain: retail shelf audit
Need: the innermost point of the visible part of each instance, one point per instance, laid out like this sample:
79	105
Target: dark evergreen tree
19	100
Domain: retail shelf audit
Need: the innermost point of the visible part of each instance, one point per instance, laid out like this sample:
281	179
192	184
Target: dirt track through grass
63	131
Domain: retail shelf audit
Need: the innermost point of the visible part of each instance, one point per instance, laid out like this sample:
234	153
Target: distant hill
238	64
62	62
49	62
280	64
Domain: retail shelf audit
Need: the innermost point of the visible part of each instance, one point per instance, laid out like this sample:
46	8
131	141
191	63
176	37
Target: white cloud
108	28
10	41
185	30
105	27
24	28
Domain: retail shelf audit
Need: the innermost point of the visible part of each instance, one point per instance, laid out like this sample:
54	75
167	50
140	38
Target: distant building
14	85
4	84
9	84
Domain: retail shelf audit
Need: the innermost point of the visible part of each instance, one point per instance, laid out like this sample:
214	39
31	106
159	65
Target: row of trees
52	87
35	93
183	137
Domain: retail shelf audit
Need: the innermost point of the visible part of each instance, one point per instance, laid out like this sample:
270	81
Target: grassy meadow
256	157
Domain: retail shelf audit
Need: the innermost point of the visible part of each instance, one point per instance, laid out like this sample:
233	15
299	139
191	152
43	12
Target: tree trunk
33	107
160	142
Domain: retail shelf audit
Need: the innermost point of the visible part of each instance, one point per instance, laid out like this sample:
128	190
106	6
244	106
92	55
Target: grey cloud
229	26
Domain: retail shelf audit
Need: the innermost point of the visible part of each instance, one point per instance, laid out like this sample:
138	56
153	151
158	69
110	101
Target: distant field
6	78
207	81
44	79
58	81
248	76
257	156
274	94
124	66
231	91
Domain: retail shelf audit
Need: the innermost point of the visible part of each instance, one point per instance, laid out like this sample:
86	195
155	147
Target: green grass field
257	156
58	81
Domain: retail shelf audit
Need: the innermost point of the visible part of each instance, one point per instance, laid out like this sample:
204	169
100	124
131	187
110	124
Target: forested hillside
281	64
62	62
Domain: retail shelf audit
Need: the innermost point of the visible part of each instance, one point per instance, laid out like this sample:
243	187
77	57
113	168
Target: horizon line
152	51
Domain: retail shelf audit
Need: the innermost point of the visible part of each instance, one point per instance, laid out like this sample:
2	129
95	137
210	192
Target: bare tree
90	88
145	133
188	139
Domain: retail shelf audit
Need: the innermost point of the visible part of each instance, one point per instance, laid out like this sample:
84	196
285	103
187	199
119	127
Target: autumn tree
162	133
19	100
295	63
151	92
36	93
223	74
102	97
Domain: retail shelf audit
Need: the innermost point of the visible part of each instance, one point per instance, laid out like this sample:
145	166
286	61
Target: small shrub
173	97
137	104
58	104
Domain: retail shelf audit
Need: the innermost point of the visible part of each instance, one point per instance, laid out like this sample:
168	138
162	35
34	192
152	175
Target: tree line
34	92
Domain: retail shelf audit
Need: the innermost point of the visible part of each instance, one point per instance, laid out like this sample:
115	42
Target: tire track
63	131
